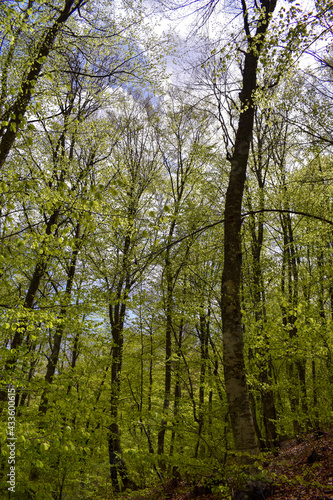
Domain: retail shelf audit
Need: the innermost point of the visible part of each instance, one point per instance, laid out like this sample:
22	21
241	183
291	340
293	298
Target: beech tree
233	363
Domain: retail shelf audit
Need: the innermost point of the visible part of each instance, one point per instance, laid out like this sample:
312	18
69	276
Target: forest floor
302	470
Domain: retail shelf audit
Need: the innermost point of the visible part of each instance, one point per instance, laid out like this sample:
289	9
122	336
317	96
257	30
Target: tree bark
233	348
117	311
203	331
168	351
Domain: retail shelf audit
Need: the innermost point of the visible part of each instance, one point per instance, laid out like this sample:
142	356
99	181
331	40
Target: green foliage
112	201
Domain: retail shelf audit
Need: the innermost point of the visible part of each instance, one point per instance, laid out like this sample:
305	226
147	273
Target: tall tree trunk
119	475
233	348
203	332
117	311
168	351
169	279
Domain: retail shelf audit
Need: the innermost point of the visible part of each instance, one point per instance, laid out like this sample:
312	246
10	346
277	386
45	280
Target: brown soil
304	470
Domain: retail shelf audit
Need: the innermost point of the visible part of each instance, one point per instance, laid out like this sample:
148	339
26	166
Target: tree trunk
168	351
203	332
169	278
117	311
233	349
117	465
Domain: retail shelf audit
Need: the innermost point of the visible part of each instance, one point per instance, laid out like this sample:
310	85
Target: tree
233	357
13	110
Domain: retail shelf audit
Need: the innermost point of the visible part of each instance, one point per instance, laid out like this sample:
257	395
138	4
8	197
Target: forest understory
301	469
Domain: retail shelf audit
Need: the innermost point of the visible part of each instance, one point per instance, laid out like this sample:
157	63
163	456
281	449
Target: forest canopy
166	233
